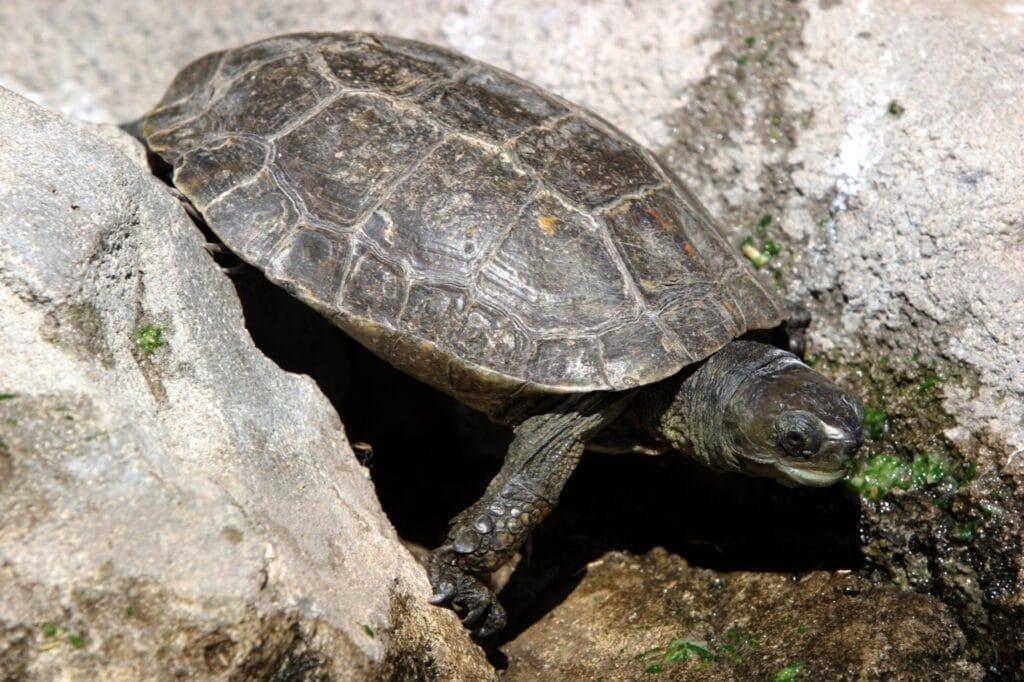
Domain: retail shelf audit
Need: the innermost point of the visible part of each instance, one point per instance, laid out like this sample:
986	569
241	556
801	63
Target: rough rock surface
99	62
920	158
877	146
172	503
883	139
654	615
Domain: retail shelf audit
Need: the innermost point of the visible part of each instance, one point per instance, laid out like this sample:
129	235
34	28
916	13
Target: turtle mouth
794	473
815	478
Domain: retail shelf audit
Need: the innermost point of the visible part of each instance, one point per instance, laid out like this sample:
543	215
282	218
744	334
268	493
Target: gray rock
916	140
98	62
914	147
172	502
883	140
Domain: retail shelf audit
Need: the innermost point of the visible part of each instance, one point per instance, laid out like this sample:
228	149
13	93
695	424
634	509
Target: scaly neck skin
690	414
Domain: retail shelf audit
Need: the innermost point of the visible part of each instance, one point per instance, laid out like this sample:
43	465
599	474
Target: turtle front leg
543	454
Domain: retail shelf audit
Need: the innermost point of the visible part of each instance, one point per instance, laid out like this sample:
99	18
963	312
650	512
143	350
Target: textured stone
633	616
926	202
96	61
173	503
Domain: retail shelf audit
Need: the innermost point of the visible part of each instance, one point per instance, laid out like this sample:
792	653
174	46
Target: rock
918	149
881	138
173	504
915	143
98	62
653	615
876	146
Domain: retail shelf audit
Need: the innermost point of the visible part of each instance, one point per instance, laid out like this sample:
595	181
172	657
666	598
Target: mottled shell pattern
470	228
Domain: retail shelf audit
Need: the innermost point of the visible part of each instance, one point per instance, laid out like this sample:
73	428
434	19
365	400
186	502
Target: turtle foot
466	594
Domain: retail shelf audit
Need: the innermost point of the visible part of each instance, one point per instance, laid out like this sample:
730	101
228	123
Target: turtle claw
487	617
444	593
493	623
467	595
471	618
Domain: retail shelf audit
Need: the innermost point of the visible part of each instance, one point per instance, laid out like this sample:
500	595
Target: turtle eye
799	433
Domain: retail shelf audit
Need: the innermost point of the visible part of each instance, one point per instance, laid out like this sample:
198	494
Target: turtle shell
469	227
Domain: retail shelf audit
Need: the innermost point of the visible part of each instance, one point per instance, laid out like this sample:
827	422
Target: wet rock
912	144
173	504
654	616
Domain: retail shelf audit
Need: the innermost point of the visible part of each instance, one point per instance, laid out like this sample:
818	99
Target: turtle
509	248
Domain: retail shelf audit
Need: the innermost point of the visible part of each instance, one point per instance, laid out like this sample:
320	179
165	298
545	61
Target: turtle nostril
853	444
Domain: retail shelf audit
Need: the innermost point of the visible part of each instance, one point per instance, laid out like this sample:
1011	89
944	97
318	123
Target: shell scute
469	227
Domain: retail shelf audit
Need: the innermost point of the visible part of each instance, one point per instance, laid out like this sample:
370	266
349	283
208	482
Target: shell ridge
219	78
307	115
644	192
640	301
547	124
737	270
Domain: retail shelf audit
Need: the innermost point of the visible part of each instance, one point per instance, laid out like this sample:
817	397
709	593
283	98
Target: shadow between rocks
724	522
431	457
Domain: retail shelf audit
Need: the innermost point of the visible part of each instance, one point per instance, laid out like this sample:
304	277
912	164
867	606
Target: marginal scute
241	60
375	288
264	100
185	99
314	263
700	321
207	172
432	312
191	85
172	143
370	66
690	297
469	227
252	218
637	352
489	338
570	359
755	306
484	387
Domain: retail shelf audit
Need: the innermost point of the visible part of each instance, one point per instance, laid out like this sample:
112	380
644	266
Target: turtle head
757	409
788	422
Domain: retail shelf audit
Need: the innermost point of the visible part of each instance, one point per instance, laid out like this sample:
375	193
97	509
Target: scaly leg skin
543	454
